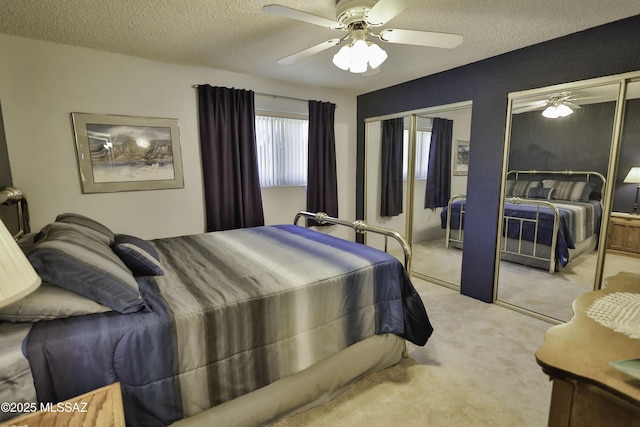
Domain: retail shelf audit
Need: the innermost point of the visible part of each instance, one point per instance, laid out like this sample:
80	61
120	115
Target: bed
199	328
550	217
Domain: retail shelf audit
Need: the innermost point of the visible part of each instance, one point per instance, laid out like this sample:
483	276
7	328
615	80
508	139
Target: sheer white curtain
423	139
282	151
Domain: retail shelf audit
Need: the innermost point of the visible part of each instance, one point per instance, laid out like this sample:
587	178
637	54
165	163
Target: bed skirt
304	390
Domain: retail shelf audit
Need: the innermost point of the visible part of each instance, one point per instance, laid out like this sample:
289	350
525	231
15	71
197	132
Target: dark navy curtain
391	167
229	160
438	189
322	182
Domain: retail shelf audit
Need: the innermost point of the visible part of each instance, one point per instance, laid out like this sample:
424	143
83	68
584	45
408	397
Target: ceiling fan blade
524	108
287	60
287	12
572	105
421	38
385	10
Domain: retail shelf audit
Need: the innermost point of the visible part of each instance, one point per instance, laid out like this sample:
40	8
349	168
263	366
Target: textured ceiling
235	35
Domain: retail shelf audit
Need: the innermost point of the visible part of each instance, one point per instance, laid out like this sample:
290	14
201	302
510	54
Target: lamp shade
17	276
633	177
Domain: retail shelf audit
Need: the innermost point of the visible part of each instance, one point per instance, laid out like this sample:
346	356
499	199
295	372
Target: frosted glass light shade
376	55
555	111
358	56
342	59
17	276
564	110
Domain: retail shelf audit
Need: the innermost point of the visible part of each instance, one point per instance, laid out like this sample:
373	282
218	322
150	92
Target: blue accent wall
596	52
624	194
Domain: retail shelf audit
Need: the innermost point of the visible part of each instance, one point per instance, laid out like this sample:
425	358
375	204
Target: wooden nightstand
98	408
624	234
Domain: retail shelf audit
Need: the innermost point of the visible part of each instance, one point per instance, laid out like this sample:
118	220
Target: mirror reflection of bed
431	260
560	146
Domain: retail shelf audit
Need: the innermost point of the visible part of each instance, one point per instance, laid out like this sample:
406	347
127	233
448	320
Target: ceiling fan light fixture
359	55
358	66
564	110
550	112
555	111
342	59
377	55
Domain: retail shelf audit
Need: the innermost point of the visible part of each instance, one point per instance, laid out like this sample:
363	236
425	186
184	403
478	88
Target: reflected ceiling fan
555	105
359	18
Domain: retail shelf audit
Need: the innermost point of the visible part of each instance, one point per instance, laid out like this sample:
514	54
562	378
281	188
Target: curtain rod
273	95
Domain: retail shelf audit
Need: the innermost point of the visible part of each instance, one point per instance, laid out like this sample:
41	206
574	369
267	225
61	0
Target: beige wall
42	83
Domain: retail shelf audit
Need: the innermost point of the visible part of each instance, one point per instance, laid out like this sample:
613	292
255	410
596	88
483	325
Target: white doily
619	311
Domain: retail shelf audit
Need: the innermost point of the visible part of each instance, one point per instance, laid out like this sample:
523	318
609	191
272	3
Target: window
423	140
282	150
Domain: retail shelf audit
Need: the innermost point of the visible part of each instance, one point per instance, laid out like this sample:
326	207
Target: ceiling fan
358	19
554	105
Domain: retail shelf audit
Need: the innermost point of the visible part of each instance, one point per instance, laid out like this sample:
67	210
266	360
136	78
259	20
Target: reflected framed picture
461	161
127	153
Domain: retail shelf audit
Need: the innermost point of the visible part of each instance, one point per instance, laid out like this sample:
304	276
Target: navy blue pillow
540	193
137	254
75	258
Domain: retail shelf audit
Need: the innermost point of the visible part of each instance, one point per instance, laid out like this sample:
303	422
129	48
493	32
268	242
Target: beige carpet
478	369
531	288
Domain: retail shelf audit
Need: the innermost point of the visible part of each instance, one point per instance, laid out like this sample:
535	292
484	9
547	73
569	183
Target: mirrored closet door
623	236
560	180
423	227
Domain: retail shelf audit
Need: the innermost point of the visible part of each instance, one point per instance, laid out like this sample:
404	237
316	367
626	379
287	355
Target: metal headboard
586	174
11	196
361	227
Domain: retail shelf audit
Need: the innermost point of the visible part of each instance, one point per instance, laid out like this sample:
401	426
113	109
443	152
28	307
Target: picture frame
461	159
127	153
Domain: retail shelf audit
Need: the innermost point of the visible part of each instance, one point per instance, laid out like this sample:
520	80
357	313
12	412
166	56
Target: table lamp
633	177
17	276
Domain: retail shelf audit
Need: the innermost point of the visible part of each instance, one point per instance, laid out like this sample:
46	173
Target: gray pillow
515	188
75	258
73	218
574	191
540	193
50	302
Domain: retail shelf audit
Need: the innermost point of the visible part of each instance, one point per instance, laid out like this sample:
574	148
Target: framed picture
126	153
461	161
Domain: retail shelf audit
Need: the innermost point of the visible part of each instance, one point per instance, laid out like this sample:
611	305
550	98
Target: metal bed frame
536	221
458	239
540	204
11	196
361	227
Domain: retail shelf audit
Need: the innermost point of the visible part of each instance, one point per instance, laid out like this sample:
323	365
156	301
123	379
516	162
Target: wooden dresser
624	234
587	391
98	408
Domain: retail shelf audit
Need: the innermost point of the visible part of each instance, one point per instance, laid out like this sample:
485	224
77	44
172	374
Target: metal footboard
455	235
536	222
457	238
361	227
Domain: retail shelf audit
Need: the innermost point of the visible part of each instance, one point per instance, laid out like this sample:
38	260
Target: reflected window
423	139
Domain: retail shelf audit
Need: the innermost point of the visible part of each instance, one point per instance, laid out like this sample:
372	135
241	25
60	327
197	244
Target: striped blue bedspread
235	310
